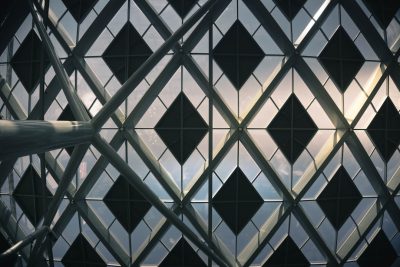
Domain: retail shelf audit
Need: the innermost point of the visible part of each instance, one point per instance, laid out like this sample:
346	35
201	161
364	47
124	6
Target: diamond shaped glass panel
29	195
81	253
339	198
380	252
181	128
341	59
182	255
79	9
237	201
182	7
384	129
126	203
238	54
290	7
292	128
26	61
287	254
126	53
384	11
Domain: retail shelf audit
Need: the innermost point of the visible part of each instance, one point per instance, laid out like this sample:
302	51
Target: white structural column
21	138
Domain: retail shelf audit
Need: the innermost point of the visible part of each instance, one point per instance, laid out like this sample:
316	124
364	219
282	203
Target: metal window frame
213	246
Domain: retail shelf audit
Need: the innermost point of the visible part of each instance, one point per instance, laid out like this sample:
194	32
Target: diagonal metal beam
216	243
356	147
256	245
70	170
81	48
131	136
10	101
168	185
188	61
368	30
119	138
16	136
267	230
75	103
318	90
137	182
90	35
155	168
132	119
340	139
280	74
287	197
12	228
145	68
10	25
202	81
84	69
284	43
368	222
18	246
141	107
79	112
6	166
85	43
231	138
164	225
268	22
158	231
373	176
327	9
219	7
84	210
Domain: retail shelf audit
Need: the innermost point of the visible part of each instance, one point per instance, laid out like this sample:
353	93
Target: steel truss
86	131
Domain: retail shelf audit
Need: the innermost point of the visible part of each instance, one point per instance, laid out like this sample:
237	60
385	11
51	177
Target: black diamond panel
81	253
182	7
126	203
237	201
341	59
290	7
79	9
126	53
380	252
339	198
292	128
238	54
384	129
29	195
181	128
384	11
182	255
287	254
26	61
